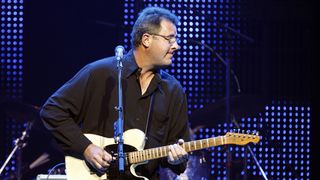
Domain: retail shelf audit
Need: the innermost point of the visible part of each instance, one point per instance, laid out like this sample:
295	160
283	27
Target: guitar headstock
242	138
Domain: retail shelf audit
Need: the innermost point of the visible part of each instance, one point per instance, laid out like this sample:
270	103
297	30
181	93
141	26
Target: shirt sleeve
59	113
179	127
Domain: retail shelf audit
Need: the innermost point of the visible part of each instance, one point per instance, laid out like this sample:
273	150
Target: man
153	101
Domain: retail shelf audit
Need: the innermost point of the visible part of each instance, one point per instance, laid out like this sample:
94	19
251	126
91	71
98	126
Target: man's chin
165	64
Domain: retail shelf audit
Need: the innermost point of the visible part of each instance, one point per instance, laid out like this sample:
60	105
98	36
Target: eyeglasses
171	39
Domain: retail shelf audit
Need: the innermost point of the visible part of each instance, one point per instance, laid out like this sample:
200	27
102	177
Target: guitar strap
149	115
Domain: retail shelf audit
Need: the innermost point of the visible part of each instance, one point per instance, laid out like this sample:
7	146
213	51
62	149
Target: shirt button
138	119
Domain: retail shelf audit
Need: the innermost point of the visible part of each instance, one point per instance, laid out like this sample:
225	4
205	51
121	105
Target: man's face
164	44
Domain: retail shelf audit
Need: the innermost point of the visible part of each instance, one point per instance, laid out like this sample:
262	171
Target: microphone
119	51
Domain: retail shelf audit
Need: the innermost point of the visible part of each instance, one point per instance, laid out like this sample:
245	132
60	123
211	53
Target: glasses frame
171	39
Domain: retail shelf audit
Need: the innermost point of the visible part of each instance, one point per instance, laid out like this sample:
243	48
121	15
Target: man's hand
97	157
177	154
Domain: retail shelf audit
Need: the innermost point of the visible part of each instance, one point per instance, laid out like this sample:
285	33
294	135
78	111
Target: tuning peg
238	130
248	131
257	133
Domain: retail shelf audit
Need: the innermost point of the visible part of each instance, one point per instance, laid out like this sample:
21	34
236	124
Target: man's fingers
173	152
97	157
98	166
180	141
107	157
177	154
103	163
170	156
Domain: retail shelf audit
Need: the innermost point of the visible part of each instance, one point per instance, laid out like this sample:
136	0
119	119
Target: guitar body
79	168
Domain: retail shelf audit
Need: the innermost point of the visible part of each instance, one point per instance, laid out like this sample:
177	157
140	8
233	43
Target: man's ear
146	40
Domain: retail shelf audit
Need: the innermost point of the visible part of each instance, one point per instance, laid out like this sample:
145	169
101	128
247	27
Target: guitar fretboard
159	152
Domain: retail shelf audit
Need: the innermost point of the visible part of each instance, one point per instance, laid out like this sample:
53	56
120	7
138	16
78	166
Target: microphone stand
118	125
230	71
19	144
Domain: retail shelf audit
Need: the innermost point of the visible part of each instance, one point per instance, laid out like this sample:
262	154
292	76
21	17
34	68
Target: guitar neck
159	152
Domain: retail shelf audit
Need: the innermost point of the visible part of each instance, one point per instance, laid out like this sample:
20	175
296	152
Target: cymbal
240	106
19	111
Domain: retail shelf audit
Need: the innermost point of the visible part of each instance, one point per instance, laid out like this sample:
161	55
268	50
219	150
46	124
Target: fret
153	153
214	140
201	144
130	158
148	153
195	145
165	150
159	152
207	142
139	155
156	151
189	146
221	139
144	155
135	157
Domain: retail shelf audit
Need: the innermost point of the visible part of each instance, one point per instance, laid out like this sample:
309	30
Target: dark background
61	37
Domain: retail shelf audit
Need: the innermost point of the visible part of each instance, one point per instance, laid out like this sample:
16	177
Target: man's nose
176	46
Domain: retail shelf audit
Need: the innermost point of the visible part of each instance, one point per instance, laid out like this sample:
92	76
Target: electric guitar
135	155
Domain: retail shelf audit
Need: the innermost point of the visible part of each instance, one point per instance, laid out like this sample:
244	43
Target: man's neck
143	61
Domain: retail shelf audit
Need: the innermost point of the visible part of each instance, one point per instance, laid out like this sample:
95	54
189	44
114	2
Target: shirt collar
131	68
129	64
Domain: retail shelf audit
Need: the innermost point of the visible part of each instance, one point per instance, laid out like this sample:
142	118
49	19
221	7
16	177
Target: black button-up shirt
86	104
